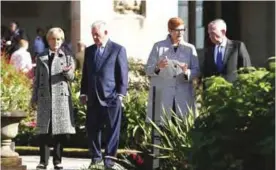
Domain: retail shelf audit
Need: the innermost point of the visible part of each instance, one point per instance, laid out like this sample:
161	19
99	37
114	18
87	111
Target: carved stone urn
9	129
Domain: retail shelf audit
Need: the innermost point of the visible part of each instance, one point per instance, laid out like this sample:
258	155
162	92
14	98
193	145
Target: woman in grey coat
52	95
171	66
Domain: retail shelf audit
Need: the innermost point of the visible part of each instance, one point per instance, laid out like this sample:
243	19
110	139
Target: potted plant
15	97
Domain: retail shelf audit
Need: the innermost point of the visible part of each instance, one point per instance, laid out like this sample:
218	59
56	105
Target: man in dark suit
226	56
104	83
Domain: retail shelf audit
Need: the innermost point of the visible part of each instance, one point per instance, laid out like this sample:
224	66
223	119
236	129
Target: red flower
31	124
133	156
137	158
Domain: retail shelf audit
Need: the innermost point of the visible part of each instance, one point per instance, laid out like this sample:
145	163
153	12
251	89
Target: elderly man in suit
104	84
171	66
51	93
226	56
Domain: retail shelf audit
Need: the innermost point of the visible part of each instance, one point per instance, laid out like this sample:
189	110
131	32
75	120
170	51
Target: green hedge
234	129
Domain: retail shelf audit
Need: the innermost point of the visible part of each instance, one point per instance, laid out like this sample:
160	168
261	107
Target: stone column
75	23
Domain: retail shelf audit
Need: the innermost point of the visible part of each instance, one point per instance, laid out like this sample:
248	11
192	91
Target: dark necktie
219	59
98	54
51	57
50	61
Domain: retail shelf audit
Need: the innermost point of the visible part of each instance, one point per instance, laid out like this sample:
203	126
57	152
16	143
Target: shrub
16	95
135	103
237	129
15	89
234	129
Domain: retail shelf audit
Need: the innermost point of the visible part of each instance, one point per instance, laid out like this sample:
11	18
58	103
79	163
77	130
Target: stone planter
9	129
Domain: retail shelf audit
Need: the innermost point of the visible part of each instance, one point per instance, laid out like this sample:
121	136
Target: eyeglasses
179	30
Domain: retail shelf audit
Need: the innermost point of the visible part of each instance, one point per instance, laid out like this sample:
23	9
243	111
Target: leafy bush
237	129
175	142
234	129
15	89
16	95
137	75
80	115
135	103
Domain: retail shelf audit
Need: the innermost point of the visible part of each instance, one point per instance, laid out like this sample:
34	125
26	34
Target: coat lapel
228	51
212	54
106	53
44	59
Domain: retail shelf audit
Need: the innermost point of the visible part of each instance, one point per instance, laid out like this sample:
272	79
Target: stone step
12	161
21	167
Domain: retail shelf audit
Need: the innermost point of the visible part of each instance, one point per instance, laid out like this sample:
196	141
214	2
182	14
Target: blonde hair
55	31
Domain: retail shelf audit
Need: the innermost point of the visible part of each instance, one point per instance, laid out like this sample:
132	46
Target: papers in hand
171	70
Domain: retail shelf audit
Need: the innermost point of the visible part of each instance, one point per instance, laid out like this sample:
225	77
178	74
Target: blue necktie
219	59
99	54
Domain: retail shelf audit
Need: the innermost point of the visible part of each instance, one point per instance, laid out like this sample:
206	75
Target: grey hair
99	24
220	23
55	30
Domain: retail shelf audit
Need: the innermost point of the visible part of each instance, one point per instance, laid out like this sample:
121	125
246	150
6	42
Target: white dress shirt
22	60
222	49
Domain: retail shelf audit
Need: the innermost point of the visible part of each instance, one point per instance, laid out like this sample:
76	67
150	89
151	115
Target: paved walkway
68	163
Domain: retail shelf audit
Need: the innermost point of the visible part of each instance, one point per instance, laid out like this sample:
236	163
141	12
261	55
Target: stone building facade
138	24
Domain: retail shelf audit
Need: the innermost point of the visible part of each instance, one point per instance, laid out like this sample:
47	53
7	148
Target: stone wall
136	32
44	14
258	29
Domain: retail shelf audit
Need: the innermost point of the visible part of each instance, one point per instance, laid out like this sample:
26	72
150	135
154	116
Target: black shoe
58	166
41	166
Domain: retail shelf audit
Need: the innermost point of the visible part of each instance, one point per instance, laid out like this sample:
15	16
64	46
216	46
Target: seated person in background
21	58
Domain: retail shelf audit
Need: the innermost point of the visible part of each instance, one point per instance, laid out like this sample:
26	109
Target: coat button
61	83
41	84
61	63
174	76
175	66
41	74
61	93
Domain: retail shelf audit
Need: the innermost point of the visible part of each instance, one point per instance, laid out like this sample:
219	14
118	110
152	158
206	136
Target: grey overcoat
170	82
59	101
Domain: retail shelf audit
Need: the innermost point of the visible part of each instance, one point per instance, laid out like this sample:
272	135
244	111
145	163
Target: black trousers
48	139
174	110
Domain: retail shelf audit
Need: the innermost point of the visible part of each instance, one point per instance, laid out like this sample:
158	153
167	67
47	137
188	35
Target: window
183	14
199	32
